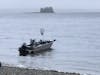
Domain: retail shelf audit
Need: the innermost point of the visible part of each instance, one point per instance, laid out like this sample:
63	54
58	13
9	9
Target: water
77	48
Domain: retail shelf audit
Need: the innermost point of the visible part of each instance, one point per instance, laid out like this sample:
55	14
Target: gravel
5	70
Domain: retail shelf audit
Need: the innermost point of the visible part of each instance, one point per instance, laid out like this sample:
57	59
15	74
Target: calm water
77	48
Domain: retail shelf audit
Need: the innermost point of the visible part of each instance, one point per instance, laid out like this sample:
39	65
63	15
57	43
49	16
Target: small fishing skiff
35	47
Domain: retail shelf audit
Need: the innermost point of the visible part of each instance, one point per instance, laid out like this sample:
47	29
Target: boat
35	47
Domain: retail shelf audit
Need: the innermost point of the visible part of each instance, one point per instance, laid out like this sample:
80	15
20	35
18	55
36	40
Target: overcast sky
60	4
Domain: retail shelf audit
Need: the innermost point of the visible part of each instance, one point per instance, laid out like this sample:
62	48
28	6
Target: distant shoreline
41	12
5	70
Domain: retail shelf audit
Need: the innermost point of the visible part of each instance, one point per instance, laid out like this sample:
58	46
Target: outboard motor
22	52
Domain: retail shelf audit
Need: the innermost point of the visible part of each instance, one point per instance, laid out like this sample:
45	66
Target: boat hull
37	49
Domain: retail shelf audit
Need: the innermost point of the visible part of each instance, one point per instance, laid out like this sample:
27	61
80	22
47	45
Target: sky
58	4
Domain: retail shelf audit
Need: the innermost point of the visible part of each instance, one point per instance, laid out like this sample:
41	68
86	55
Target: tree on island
47	10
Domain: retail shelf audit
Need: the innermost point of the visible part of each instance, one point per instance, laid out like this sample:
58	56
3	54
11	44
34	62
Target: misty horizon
55	10
61	4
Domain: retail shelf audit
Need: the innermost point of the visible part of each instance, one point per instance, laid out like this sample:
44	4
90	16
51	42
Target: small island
47	10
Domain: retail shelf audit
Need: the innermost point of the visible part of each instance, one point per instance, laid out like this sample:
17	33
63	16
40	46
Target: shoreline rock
5	70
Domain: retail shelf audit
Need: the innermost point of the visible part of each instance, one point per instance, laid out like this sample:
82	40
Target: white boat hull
36	49
40	48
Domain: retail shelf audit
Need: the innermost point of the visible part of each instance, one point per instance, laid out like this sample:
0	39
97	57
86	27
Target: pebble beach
5	70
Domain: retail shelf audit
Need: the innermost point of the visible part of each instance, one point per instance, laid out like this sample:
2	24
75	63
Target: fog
58	4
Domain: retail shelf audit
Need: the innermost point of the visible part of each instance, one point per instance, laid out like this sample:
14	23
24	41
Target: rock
47	10
0	64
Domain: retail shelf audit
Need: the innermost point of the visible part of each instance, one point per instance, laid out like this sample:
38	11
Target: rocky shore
5	70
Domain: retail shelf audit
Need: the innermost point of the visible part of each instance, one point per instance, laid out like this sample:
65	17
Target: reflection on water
29	61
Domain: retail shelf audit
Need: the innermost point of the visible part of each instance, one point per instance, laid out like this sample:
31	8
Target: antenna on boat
42	31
